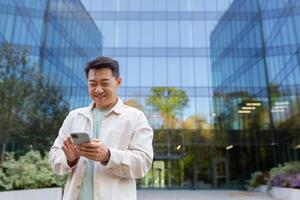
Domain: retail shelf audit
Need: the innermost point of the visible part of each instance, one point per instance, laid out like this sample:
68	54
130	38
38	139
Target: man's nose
99	89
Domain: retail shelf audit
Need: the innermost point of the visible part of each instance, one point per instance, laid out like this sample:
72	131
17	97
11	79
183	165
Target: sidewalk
201	195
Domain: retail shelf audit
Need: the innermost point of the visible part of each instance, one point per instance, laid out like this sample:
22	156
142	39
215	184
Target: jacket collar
117	108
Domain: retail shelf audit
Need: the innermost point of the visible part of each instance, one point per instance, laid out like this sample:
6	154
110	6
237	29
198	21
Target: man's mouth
100	96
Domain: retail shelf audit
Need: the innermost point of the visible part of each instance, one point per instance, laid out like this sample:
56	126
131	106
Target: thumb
96	140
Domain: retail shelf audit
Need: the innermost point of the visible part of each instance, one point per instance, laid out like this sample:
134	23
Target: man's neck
106	107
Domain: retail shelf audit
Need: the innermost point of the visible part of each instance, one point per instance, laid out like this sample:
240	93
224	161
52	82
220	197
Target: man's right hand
70	151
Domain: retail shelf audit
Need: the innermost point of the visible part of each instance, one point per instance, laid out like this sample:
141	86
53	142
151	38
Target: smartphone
80	137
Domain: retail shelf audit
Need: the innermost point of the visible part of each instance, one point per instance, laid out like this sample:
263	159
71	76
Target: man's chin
98	100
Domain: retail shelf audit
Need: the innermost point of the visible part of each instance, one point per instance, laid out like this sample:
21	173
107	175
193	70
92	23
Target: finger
96	140
71	143
78	151
68	147
88	154
66	142
87	149
65	150
70	140
90	144
72	148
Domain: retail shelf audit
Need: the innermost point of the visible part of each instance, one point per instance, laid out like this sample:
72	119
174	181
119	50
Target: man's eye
92	85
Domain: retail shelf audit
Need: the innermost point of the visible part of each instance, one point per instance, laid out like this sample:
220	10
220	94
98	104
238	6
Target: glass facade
217	79
256	73
163	48
61	37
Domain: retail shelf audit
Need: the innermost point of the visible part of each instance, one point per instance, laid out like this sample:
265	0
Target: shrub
286	175
258	178
295	181
279	180
28	172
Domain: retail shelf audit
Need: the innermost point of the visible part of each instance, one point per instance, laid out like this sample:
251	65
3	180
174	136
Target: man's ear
119	81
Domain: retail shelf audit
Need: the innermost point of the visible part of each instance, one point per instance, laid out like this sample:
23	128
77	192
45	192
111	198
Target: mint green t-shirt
87	186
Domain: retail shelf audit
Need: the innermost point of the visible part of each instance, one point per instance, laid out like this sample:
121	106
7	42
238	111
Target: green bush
258	178
286	175
286	168
28	172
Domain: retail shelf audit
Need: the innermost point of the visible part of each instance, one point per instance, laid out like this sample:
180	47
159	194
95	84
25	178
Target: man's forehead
100	73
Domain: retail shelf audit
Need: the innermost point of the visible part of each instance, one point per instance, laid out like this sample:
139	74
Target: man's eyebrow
105	79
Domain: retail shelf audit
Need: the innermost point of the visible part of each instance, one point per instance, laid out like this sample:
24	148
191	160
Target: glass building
61	37
256	76
163	48
217	79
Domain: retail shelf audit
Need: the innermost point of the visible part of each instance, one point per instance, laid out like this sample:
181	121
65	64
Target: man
121	151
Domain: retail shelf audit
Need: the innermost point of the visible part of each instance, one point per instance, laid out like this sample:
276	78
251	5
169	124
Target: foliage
28	172
168	101
15	90
295	180
196	122
45	114
134	103
31	108
286	175
286	168
258	178
229	118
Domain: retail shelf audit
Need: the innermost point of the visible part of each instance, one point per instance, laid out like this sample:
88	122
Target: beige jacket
126	132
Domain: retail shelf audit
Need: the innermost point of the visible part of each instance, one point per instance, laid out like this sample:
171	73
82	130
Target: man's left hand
95	150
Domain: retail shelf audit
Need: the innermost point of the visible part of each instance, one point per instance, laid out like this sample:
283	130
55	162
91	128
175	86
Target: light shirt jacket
126	132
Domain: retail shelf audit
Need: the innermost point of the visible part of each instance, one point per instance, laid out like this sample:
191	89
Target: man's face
103	87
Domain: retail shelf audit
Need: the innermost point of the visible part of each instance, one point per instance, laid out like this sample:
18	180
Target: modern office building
163	50
61	38
256	76
217	79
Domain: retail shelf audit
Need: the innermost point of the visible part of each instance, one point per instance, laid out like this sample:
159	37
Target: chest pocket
116	137
116	131
80	123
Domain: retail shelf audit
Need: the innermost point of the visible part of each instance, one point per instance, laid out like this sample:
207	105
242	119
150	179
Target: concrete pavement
200	195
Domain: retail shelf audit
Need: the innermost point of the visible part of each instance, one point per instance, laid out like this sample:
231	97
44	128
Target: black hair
103	62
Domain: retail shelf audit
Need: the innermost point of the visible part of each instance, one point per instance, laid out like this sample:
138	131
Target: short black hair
103	62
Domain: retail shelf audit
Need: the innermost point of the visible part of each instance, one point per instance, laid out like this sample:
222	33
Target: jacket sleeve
57	158
137	160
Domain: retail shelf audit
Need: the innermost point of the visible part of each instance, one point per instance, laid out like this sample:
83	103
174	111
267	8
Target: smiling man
121	147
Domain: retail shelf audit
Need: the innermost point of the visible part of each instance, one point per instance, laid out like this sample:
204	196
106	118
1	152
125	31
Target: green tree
31	109
197	161
15	90
134	103
44	117
196	122
168	101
